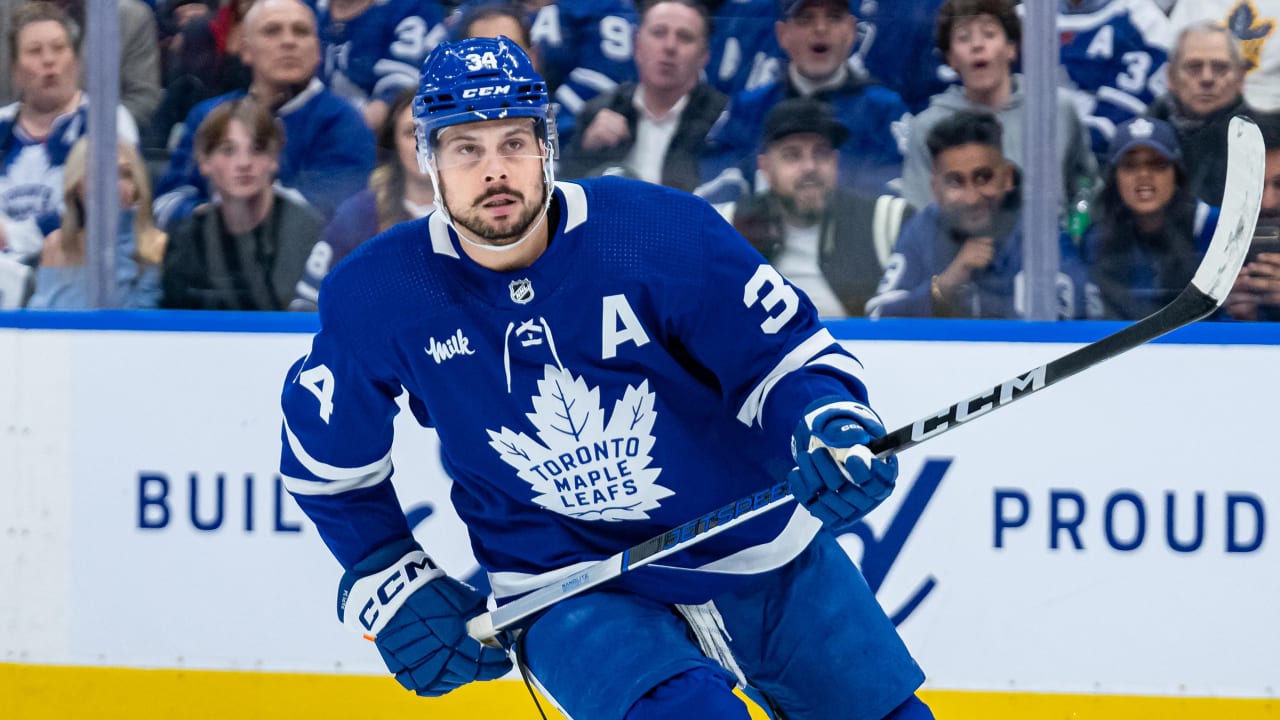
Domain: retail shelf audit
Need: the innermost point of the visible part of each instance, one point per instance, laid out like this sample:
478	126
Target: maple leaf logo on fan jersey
29	185
582	464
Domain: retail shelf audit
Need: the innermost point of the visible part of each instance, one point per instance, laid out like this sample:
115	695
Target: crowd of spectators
872	151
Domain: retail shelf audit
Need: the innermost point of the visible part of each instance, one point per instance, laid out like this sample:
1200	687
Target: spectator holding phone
1256	294
1150	232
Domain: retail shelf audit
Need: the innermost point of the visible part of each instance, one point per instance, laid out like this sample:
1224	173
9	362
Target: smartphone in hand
1266	239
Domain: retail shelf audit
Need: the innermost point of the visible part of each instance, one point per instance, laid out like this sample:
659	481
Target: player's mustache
494	192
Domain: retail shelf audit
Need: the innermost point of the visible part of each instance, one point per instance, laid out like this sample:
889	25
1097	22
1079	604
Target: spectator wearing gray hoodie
979	40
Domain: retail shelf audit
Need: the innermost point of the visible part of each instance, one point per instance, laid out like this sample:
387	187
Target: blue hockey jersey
585	47
377	53
896	46
744	48
1114	55
646	369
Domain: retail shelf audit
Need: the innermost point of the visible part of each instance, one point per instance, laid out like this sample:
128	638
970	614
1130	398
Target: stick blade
1241	203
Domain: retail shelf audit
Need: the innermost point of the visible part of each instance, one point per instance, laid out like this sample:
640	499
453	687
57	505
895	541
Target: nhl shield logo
521	290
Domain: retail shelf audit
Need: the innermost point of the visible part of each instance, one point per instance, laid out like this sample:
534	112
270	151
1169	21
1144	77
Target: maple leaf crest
581	464
30	186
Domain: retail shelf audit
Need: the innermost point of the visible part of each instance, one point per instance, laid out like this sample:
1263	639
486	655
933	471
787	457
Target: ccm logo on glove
385	592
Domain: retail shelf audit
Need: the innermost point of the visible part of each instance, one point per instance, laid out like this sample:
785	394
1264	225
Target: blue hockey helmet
478	79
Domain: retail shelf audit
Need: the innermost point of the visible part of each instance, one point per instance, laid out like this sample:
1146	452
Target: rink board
1098	550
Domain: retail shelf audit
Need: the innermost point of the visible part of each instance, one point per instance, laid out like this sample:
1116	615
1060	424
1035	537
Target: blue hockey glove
417	616
836	475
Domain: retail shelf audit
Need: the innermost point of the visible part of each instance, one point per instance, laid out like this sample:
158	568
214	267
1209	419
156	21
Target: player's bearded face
491	178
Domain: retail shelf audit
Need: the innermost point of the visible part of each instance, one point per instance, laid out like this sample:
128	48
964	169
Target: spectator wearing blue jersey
830	242
248	248
979	39
1114	56
1206	90
372	49
1150	232
653	129
817	37
37	132
962	255
745	53
328	154
896	46
398	191
585	48
62	277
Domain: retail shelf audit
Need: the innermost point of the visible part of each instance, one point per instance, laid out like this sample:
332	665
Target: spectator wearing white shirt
654	129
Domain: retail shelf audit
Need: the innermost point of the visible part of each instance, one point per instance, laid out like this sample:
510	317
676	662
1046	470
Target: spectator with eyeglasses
1206	89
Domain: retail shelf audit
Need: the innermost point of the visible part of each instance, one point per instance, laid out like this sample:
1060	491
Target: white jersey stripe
325	471
752	409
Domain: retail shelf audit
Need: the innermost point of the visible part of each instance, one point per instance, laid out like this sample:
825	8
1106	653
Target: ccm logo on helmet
486	91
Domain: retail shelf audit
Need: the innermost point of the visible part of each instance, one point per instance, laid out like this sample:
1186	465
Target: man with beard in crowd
830	242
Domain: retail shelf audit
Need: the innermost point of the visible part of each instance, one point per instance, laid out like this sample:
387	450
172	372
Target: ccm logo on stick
979	404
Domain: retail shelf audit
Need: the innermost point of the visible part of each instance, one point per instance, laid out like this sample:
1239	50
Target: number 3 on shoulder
773	293
319	380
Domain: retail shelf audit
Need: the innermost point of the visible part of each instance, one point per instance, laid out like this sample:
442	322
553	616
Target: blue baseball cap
1144	132
791	7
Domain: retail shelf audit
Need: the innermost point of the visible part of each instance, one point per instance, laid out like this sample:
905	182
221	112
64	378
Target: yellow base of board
47	692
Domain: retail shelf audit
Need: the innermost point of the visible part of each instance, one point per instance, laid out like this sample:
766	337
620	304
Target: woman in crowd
1150	231
398	191
247	249
37	133
61	278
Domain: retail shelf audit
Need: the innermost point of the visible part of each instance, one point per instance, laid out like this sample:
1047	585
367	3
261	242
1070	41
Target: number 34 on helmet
480	79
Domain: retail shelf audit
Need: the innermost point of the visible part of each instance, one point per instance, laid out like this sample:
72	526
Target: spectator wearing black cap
962	255
818	38
1150	232
826	240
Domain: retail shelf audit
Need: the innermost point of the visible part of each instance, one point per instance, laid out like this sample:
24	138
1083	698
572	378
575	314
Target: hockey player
601	360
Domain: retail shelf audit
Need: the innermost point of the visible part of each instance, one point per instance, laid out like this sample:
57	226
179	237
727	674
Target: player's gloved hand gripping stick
851	481
416	615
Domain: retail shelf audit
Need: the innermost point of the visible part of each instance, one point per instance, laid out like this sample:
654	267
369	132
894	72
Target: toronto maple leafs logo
30	185
582	464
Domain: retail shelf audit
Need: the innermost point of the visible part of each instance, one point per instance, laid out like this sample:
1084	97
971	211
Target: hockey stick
1207	291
